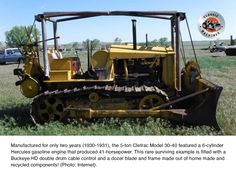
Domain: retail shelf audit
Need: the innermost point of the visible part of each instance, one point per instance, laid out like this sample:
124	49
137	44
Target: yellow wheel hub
150	101
30	88
93	97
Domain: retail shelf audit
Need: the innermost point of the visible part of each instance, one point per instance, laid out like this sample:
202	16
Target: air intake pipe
134	34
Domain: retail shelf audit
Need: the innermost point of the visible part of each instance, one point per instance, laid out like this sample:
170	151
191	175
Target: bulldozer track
111	92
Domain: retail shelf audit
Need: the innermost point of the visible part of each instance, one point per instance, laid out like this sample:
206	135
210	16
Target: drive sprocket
47	109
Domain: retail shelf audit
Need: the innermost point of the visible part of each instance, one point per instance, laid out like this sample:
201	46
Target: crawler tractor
121	81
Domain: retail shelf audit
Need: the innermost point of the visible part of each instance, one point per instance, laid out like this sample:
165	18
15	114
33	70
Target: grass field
218	68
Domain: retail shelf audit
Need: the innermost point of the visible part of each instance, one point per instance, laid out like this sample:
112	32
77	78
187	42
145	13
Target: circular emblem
211	24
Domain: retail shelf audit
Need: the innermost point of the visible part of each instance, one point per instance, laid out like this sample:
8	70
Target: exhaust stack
146	40
134	34
88	54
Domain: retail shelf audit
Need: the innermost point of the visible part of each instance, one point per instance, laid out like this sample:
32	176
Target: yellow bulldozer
121	81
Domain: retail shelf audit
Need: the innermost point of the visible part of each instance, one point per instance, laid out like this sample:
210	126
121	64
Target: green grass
218	63
109	127
15	119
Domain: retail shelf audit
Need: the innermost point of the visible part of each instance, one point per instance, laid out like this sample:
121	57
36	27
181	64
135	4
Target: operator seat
101	64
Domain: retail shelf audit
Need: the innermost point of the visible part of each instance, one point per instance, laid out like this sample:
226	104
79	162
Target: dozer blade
205	112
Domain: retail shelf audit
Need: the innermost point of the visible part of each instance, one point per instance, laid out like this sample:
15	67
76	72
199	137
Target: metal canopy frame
55	17
65	16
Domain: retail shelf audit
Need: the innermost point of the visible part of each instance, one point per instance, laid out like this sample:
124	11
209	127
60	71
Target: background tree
2	45
21	35
117	40
154	43
75	45
163	42
95	43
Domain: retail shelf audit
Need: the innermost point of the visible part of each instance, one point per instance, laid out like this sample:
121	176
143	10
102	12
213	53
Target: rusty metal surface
130	113
75	95
181	99
205	113
202	114
65	16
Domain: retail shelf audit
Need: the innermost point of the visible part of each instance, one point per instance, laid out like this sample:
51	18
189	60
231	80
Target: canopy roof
65	16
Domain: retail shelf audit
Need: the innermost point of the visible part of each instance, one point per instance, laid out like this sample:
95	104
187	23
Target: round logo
211	24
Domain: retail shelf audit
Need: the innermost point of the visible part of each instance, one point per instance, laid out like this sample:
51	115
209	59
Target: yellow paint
62	69
150	101
126	70
50	109
93	97
100	59
102	63
32	65
30	88
88	113
117	53
169	71
58	75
